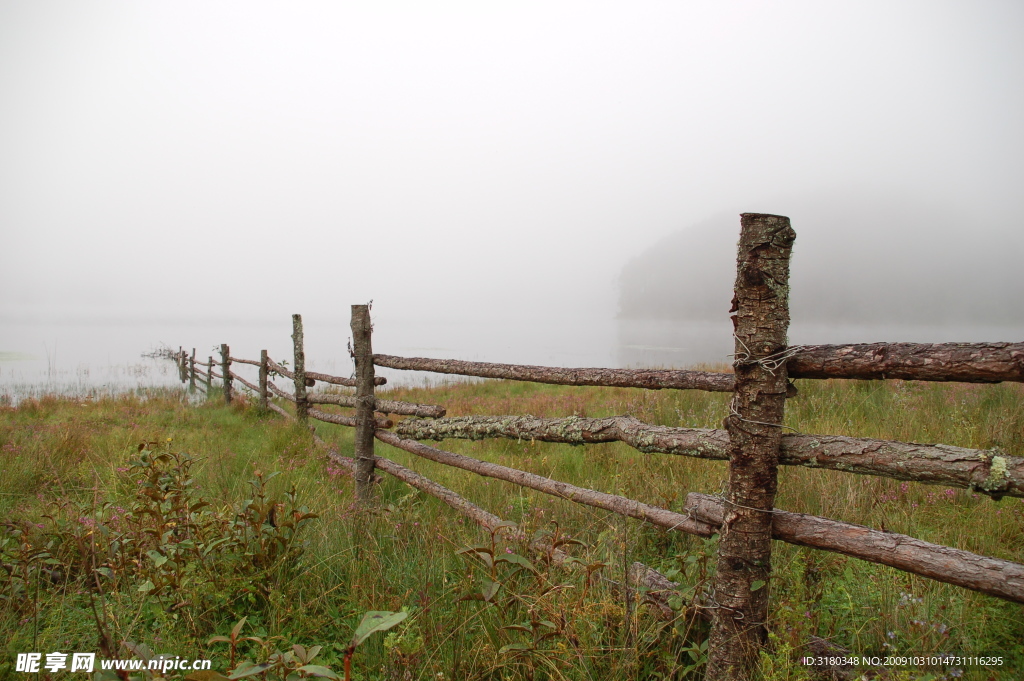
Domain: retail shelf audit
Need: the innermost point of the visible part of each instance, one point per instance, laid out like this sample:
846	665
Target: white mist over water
192	173
78	358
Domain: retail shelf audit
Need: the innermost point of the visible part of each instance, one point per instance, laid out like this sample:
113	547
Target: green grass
60	456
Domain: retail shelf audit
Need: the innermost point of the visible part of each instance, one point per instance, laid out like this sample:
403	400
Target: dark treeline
856	261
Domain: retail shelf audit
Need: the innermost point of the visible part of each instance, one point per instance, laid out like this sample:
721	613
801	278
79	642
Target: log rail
989	472
956	362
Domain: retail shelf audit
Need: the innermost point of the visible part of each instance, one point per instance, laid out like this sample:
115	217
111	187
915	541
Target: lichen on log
343	420
989	472
383	406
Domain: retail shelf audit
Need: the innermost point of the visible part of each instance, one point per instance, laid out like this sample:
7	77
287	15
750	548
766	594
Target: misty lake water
107	357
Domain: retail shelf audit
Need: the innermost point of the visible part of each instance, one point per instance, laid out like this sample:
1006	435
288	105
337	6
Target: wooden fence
753	442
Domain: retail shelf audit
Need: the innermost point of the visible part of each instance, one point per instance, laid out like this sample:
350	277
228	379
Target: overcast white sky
463	159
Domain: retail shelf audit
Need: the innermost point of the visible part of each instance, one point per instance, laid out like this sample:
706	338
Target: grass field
229	513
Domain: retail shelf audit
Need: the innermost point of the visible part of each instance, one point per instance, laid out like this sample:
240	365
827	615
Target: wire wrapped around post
761	321
362	354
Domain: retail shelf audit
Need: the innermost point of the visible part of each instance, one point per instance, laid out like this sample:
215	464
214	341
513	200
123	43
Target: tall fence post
362	353
264	372
209	376
192	372
181	365
301	405
760	323
225	368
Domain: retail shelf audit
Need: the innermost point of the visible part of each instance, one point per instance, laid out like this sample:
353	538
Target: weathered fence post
742	582
192	372
301	405
209	376
362	353
264	372
225	368
181	365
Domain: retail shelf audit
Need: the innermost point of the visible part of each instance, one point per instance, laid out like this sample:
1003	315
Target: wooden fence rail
325	378
752	442
988	472
653	379
959	362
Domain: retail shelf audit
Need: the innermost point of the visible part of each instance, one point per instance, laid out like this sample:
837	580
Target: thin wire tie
722	498
733	412
769	363
689	516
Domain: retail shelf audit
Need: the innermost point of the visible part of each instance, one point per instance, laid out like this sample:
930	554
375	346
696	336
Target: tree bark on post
225	371
192	372
181	365
301	405
209	375
761	304
264	372
362	353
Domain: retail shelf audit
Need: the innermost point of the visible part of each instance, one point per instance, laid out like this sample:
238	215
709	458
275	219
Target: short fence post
209	376
192	372
264	372
743	578
225	368
366	402
181	365
301	405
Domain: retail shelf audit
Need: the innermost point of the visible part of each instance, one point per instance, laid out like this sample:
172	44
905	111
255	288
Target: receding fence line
763	364
941	464
703	513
